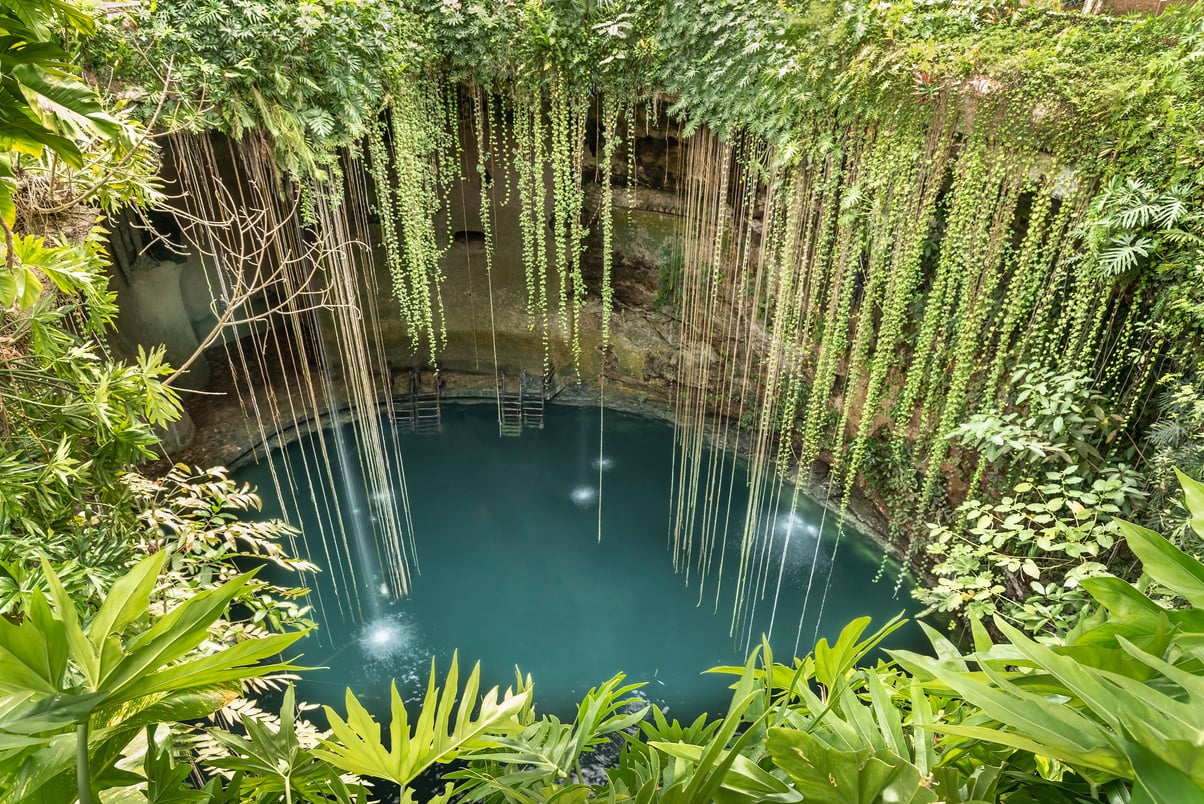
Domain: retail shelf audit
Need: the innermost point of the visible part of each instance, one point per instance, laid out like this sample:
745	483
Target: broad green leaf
177	707
1193	492
52	763
1165	563
1061	730
25	135
707	776
941	644
923	751
39	15
8	186
239	661
1121	599
79	646
8	288
1156	782
172	635
33	654
69	97
828	776
744	777
887	715
128	598
35	715
1109	760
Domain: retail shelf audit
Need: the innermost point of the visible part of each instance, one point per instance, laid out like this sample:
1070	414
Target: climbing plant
310	75
942	192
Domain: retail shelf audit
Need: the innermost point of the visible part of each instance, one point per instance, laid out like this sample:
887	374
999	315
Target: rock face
177	436
489	319
153	313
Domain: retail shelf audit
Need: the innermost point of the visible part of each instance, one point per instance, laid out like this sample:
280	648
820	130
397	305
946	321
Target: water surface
512	572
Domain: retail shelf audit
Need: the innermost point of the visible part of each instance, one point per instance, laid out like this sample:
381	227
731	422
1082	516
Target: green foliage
1022	555
968	186
275	764
538	760
43	104
591	45
441	732
74	422
311	75
1113	710
1025	556
100	681
1120	699
1176	443
1133	226
955	185
52	128
1052	417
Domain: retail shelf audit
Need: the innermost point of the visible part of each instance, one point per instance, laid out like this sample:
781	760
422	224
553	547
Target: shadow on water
512	572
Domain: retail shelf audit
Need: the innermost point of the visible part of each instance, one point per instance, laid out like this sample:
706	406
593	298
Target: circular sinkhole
512	572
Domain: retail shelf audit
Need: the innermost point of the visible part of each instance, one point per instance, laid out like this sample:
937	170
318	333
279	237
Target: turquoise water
512	572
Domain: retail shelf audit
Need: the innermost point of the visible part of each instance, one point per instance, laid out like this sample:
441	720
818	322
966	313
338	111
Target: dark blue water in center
513	573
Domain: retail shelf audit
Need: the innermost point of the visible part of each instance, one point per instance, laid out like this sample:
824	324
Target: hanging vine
931	216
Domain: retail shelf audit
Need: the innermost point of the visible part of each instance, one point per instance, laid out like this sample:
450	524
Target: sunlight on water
794	526
386	638
794	542
584	496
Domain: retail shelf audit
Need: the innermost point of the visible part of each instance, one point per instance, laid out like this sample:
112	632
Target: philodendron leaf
70	97
1156	782
80	647
826	775
1030	722
833	662
33	655
357	746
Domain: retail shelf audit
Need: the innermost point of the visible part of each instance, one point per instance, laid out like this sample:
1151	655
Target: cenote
525	560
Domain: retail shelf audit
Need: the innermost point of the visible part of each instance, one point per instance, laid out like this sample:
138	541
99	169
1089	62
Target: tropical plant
542	762
312	75
442	731
75	690
1120	700
1175	443
274	763
1051	417
74	423
44	103
1024	556
1133	226
1021	550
